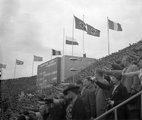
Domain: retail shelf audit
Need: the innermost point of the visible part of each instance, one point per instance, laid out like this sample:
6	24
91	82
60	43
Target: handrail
124	102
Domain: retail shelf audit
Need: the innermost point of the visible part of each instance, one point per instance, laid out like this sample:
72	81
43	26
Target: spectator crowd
104	86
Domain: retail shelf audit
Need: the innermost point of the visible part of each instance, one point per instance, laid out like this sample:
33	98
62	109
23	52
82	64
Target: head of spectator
118	62
99	74
71	92
87	81
140	62
107	77
126	61
116	78
43	110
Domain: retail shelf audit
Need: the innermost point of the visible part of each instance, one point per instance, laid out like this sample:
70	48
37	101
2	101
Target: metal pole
72	35
51	54
15	70
83	37
108	36
33	66
63	40
115	114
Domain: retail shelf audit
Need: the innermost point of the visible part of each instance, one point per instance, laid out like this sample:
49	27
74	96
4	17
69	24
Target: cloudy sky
34	27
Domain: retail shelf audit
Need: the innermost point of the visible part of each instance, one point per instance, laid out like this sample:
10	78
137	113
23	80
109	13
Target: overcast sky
34	27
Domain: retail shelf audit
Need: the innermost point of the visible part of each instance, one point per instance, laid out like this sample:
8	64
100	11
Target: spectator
88	97
75	110
138	73
102	93
118	94
132	85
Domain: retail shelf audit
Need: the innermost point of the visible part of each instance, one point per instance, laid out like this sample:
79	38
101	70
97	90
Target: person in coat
75	109
102	92
88	96
118	94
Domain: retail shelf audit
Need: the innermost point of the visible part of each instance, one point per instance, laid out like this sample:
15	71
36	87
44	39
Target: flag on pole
56	52
92	31
71	41
79	24
19	62
2	66
114	26
37	58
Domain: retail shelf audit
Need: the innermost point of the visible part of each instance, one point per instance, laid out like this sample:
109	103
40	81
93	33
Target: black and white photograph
71	59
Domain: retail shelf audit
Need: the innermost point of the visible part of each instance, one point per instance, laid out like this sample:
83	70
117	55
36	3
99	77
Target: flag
37	58
92	31
19	62
114	26
71	41
84	55
2	66
79	24
56	52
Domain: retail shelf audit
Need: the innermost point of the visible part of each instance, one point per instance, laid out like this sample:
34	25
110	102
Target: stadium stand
105	61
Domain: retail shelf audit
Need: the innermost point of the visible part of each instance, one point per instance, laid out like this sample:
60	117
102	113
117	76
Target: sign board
49	73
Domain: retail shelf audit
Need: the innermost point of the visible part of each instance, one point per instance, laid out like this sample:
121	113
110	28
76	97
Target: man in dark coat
75	110
118	94
88	96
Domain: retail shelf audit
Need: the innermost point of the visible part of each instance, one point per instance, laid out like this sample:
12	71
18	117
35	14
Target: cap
73	88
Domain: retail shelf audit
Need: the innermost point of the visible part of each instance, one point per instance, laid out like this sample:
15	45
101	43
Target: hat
48	100
73	88
116	67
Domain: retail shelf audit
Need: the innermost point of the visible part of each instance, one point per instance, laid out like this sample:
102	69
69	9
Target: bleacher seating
105	61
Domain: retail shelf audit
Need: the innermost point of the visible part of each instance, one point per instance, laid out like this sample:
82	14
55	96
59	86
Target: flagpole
33	66
63	64
72	35
83	37
108	36
15	70
63	40
51	54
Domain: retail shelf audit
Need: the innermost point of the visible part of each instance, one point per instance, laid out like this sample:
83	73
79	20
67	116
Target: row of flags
35	59
81	25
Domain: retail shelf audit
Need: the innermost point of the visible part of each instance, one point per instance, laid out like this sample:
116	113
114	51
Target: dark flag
114	26
56	52
2	66
19	62
37	58
79	24
92	31
69	41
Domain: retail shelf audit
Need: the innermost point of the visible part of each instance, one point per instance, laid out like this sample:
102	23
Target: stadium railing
116	107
